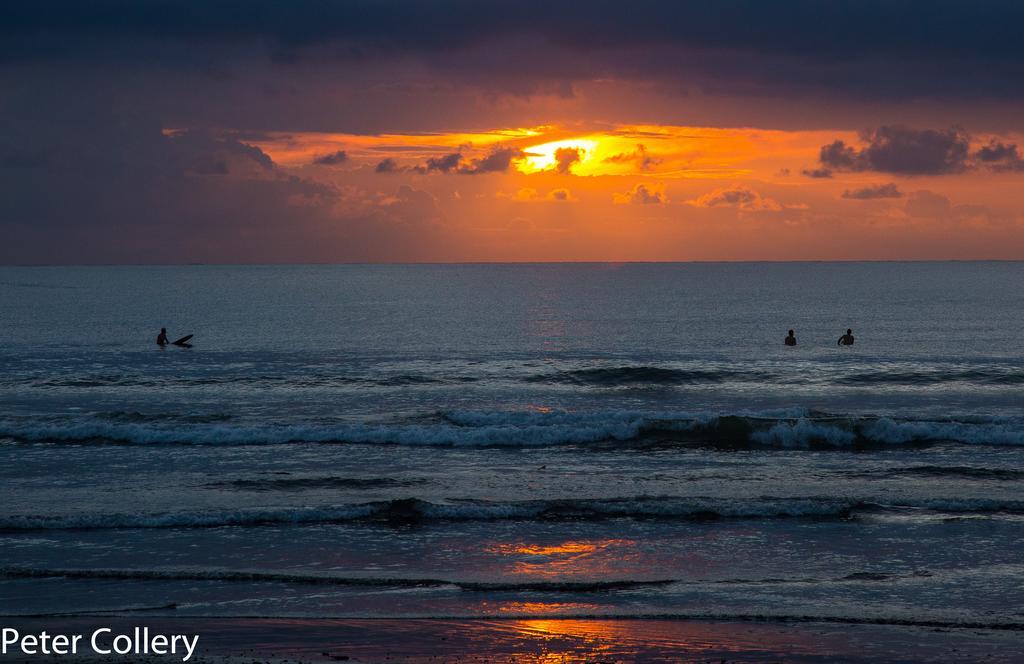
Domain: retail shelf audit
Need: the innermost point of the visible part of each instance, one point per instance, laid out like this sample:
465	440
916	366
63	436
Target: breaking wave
784	429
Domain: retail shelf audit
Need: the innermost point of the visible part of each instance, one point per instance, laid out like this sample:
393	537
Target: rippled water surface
535	440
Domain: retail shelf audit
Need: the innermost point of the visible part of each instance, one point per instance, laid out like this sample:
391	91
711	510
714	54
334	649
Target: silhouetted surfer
791	339
846	339
161	339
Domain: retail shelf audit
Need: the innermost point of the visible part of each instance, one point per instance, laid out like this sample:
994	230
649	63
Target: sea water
515	440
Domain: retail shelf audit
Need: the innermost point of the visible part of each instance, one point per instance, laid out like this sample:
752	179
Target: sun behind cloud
544	157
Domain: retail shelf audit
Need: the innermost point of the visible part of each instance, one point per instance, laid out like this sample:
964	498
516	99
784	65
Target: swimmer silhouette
791	339
846	339
161	339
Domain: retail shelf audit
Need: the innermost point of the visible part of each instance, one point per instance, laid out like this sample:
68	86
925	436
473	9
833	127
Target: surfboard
182	341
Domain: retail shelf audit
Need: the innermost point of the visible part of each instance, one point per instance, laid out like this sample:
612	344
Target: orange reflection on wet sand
588	640
594	630
596	639
572	640
543	640
539	608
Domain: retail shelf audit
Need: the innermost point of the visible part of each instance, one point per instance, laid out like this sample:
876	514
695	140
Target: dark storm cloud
878	48
128	192
998	152
88	90
498	160
639	157
737	196
205	153
153	197
448	163
445	164
838	155
793	26
817	173
888	190
565	158
642	194
333	159
388	165
901	150
740	197
21	157
1000	156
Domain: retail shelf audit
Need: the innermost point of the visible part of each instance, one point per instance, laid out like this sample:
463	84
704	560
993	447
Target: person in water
161	339
791	339
846	339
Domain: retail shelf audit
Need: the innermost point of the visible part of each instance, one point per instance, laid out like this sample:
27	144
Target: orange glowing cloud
642	192
738	196
662	152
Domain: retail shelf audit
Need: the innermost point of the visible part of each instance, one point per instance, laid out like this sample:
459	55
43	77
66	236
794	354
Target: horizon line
511	263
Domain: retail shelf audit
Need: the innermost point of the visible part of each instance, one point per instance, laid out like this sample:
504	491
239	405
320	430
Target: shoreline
564	639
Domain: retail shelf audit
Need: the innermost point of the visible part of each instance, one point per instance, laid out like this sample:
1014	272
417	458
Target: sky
258	131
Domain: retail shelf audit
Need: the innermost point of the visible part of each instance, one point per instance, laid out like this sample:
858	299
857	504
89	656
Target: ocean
516	441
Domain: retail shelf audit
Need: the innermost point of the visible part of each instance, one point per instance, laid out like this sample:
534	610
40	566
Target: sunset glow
733	149
543	157
525	331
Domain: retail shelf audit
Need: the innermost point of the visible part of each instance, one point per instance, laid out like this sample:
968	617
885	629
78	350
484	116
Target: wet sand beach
241	641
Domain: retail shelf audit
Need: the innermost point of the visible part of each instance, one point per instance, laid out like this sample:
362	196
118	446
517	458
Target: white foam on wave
472	418
888	430
802	433
793	428
457	428
970	505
